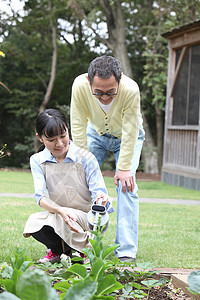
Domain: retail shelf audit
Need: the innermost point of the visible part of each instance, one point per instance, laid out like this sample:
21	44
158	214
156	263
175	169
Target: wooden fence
181	148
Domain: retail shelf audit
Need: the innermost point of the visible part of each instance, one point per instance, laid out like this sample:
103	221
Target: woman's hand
102	198
69	219
54	208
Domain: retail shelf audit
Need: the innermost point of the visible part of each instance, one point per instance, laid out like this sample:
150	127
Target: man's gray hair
104	67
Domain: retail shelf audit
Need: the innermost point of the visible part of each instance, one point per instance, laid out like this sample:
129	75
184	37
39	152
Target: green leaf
25	265
145	266
62	273
62	286
79	270
8	296
150	283
96	247
35	284
108	285
108	250
138	294
194	281
8	284
191	291
90	254
7	272
127	288
103	297
83	290
130	274
20	260
98	270
162	281
77	259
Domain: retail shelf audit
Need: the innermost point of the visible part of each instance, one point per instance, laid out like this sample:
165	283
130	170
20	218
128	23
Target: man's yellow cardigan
122	120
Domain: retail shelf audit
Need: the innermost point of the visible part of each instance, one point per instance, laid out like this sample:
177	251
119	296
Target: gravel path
142	200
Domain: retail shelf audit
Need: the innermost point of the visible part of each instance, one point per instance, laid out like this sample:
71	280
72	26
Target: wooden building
181	159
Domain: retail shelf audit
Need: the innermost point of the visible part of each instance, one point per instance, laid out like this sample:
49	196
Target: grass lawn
14	213
168	234
16	182
22	182
156	189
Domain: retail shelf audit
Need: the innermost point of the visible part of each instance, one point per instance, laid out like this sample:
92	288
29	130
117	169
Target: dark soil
167	292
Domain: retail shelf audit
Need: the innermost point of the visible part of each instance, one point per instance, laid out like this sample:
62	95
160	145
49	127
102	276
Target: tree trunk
117	38
149	152
47	95
117	34
53	72
116	42
159	127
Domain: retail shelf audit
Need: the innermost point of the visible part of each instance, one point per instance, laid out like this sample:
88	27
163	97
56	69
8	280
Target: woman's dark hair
104	67
51	122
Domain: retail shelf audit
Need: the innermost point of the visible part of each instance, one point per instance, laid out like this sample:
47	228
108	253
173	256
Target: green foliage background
26	41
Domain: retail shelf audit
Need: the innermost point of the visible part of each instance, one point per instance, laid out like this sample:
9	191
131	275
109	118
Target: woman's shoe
50	257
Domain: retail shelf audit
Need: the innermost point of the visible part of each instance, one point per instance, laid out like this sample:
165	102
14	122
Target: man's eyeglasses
104	93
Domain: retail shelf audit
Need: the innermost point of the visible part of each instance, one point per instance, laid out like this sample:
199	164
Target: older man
105	116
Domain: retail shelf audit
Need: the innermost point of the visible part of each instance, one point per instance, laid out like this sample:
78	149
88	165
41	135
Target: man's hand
126	178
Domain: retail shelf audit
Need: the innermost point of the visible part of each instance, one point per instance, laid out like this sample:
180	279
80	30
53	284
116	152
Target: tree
41	61
116	41
49	88
53	28
26	70
146	20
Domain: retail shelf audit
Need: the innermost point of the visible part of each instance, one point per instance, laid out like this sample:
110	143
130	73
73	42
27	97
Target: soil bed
167	292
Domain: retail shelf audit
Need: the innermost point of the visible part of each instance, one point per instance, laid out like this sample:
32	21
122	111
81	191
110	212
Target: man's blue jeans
128	202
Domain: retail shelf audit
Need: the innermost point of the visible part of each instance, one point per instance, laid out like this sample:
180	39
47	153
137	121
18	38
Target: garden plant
194	282
24	279
99	278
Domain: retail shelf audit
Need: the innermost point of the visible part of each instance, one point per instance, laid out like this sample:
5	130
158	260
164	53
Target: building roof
178	30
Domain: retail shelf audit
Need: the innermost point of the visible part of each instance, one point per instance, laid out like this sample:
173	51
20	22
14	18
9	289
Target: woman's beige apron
67	187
